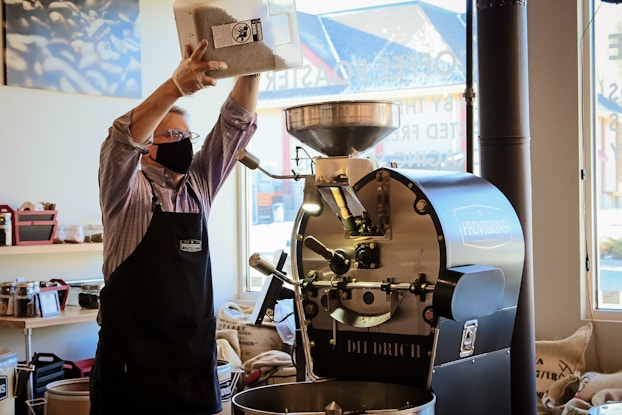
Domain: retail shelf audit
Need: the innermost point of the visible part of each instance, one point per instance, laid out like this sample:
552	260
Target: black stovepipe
504	144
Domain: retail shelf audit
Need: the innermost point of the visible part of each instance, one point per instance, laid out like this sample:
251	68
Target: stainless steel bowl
351	397
342	128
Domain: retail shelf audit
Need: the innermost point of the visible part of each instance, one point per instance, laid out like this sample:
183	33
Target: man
157	349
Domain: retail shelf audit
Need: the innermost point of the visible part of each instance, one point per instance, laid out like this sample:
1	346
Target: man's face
173	127
172	121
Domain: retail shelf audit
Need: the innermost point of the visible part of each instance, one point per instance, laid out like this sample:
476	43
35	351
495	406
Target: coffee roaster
406	281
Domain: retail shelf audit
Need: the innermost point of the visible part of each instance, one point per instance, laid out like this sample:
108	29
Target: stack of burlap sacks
255	352
564	386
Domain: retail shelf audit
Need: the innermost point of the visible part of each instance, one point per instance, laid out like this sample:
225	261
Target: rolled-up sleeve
118	164
124	199
216	158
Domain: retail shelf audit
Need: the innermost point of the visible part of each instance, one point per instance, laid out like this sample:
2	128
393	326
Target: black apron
157	346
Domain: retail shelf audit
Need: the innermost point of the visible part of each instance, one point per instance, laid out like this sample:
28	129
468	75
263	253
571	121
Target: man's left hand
190	74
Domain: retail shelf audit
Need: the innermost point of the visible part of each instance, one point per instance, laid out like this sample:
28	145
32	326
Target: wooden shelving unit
50	248
69	315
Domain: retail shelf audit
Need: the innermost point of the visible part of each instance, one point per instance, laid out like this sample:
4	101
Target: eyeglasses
178	135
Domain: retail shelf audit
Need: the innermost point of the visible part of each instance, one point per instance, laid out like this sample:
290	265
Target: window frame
588	99
243	196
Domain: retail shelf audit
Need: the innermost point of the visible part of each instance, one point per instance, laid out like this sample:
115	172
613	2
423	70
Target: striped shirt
125	192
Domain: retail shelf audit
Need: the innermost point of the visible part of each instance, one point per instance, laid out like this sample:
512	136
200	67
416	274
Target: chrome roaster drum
334	397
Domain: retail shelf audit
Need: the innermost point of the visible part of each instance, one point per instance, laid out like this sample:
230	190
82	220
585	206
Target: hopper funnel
342	128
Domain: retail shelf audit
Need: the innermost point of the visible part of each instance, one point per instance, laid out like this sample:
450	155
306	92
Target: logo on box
4	387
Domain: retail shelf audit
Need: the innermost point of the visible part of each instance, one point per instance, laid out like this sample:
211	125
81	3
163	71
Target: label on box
238	33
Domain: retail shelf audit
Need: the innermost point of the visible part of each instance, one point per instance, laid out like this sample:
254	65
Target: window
412	53
604	157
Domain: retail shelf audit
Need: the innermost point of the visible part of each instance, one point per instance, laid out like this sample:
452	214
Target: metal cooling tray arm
267	268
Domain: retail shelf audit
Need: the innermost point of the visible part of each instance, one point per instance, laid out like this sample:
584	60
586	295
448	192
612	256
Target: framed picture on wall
81	46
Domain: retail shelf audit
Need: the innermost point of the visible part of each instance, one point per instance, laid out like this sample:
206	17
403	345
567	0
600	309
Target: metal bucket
66	397
321	397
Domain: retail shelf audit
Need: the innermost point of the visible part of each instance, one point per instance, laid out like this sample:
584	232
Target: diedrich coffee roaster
406	281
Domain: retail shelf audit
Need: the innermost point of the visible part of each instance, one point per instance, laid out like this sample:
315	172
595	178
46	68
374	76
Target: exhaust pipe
505	161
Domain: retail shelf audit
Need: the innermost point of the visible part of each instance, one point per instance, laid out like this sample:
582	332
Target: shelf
50	248
70	315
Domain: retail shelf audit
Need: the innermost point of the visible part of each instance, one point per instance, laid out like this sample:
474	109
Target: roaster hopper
406	278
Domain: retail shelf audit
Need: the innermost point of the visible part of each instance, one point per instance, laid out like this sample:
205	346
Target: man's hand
190	74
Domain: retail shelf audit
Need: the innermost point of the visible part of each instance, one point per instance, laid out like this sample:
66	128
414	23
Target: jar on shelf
89	296
7	296
59	234
37	303
94	233
24	304
74	234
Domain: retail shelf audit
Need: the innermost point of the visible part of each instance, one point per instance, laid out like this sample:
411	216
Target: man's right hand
190	74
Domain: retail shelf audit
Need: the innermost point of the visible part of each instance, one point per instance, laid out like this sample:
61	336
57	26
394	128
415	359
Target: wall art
81	46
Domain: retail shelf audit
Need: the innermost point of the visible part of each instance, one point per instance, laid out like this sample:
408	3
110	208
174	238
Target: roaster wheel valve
367	255
421	287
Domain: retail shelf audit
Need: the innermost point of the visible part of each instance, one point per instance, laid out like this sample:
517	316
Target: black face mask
175	156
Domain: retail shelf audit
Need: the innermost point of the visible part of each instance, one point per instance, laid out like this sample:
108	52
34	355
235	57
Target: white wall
50	149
